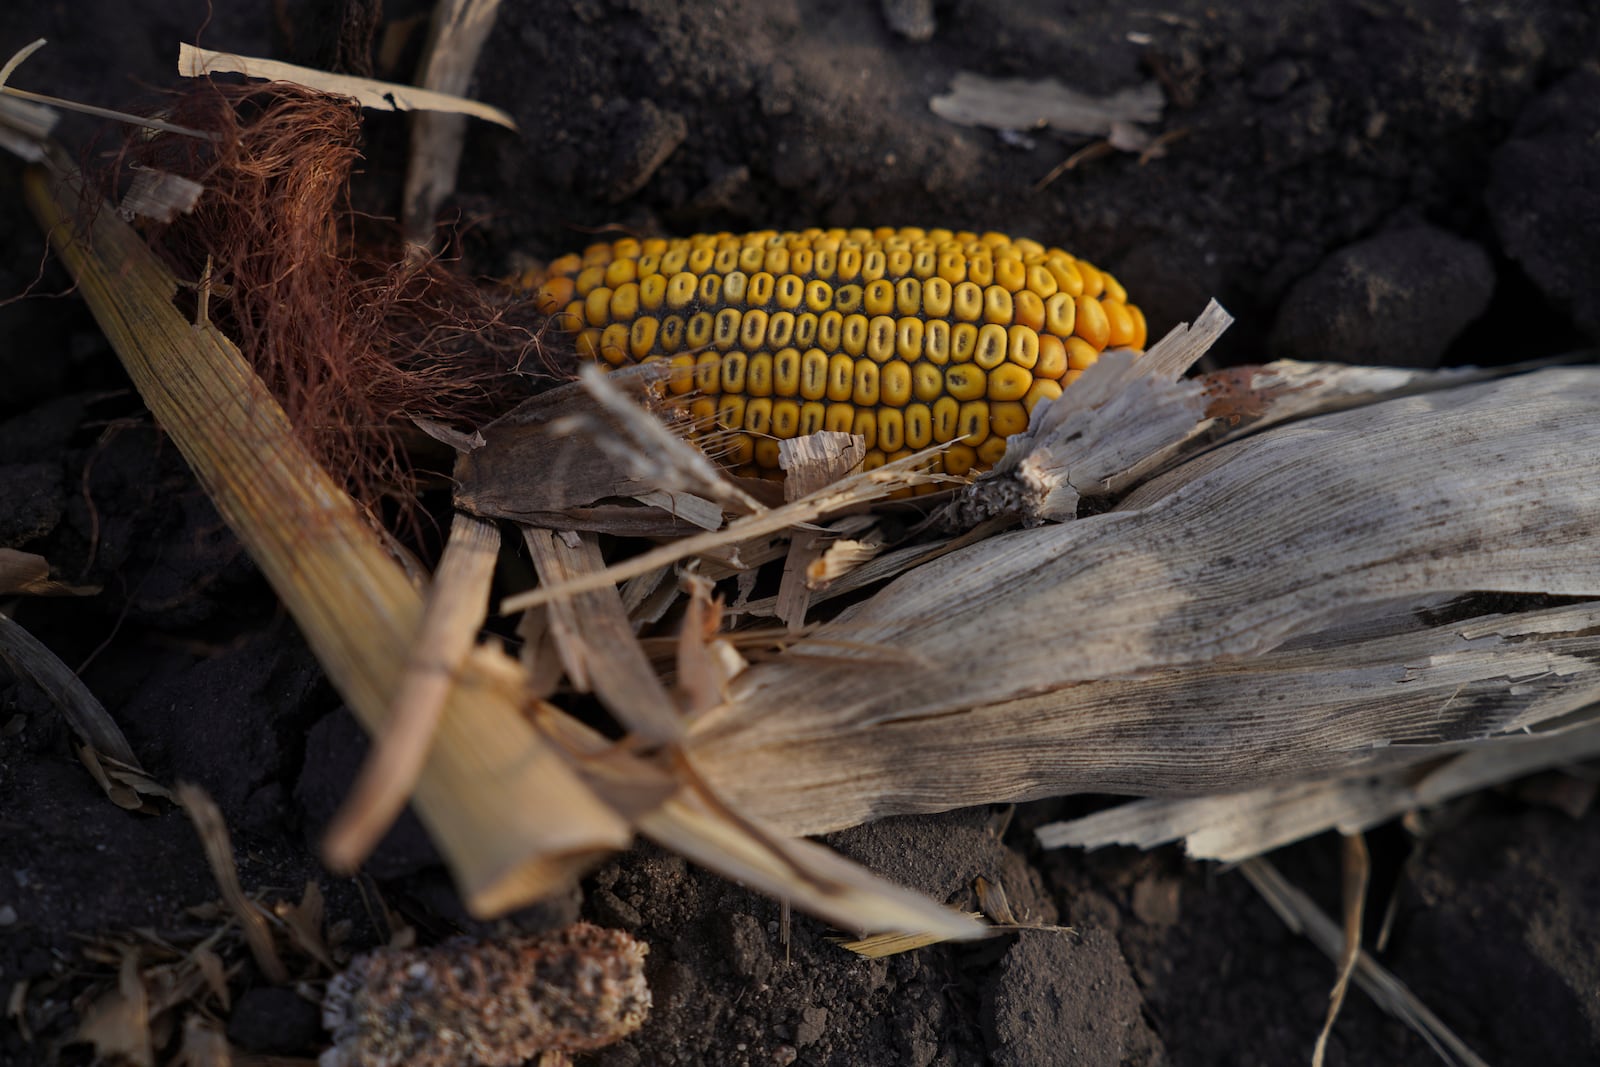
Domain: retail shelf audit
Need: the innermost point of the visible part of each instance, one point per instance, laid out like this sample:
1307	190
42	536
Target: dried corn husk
1147	649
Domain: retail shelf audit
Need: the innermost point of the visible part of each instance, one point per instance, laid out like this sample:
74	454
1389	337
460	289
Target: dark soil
1403	181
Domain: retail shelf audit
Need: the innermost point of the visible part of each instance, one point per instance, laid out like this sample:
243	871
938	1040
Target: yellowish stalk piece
508	812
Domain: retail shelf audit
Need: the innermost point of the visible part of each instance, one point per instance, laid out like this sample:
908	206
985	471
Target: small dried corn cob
907	337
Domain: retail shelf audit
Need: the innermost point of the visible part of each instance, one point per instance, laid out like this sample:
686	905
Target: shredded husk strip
457	603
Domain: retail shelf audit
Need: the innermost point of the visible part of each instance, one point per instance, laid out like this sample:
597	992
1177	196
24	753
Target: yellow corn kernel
936	341
819	296
865	390
841	377
758	415
997	305
780	329
671	335
830	331
966	302
1009	382
1022	347
642	336
708	372
1061	314
730	412
953	267
946	418
710	291
1028	310
1010	273
1092	323
1065	272
908	339
1041	390
590	279
750	258
753	328
891	428
570	264
853	340
878	297
1007	418
652	292
965	381
800	261
725	331
680	290
588	342
839	418
1140	331
919	426
894	384
1119	324
758	376
865	425
622	271
959	460
874	264
972	425
849	264
1052	358
737	449
555	294
814	374
614	344
1041	281
699	330
992	345
927	381
1094	283
597	306
786	372
765	453
908	296
789	291
805	330
1081	355
963	342
897	261
785	419
812	418
624	303
980	271
991	450
873	460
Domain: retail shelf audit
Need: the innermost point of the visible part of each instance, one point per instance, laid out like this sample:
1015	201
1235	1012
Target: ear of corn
908	337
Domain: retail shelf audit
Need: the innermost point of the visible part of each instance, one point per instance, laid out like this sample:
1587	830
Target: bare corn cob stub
908	337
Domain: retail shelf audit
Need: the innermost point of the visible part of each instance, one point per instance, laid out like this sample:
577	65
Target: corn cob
907	337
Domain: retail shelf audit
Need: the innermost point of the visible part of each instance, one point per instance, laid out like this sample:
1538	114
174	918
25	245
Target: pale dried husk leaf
1126	651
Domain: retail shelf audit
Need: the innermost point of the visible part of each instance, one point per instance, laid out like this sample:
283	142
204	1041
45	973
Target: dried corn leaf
455	37
383	96
26	658
1025	104
540	465
1044	648
1236	826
